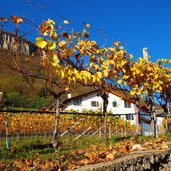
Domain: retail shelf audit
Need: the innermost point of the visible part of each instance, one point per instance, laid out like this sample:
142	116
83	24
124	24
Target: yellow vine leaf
93	78
55	60
116	43
121	47
87	25
54	35
62	74
132	93
62	43
125	83
156	76
105	73
119	81
99	75
52	46
49	21
67	88
113	49
40	42
130	56
66	22
45	33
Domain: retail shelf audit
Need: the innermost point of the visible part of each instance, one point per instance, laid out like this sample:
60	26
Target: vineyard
65	59
81	143
35	123
30	137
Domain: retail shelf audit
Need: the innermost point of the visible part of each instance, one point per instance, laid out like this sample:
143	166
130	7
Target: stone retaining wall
7	42
155	160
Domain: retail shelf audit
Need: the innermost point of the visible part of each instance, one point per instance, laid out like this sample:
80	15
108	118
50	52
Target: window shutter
114	104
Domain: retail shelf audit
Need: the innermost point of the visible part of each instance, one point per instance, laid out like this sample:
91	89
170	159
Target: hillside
25	92
17	91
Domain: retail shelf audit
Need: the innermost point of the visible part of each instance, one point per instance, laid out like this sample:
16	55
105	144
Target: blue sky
136	23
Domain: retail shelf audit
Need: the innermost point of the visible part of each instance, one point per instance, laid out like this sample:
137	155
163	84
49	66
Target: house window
77	102
114	103
127	104
94	103
129	117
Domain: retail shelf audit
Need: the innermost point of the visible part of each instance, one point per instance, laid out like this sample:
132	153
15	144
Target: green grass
168	136
27	147
116	139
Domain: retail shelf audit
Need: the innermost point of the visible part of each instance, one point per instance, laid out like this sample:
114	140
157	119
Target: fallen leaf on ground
164	146
110	156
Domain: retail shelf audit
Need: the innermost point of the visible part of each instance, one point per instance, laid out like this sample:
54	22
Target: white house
118	103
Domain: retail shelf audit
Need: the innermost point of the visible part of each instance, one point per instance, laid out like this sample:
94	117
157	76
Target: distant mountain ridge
7	42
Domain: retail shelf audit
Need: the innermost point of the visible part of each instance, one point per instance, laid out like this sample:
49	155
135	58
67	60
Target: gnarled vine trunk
105	104
56	135
153	116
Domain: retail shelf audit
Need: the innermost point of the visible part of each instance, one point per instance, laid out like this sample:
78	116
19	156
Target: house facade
146	122
117	104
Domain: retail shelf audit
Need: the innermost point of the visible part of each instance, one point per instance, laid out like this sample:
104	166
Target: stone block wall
155	160
7	42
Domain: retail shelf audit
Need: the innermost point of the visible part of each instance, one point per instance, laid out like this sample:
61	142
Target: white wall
159	120
119	109
86	103
161	127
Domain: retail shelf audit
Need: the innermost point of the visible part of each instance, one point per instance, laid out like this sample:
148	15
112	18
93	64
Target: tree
70	58
164	96
145	79
67	59
63	60
75	59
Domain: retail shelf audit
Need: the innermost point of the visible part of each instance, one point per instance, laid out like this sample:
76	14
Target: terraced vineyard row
28	124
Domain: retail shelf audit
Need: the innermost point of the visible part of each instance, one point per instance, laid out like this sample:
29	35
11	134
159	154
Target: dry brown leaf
62	43
80	151
159	140
110	156
148	143
71	166
30	161
3	19
123	149
164	146
66	35
91	155
114	152
83	162
155	145
102	155
46	165
16	19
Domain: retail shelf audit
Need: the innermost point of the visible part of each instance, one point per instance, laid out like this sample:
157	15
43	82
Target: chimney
69	95
145	53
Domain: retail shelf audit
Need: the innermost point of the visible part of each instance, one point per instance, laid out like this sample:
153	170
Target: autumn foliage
93	154
28	124
72	57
